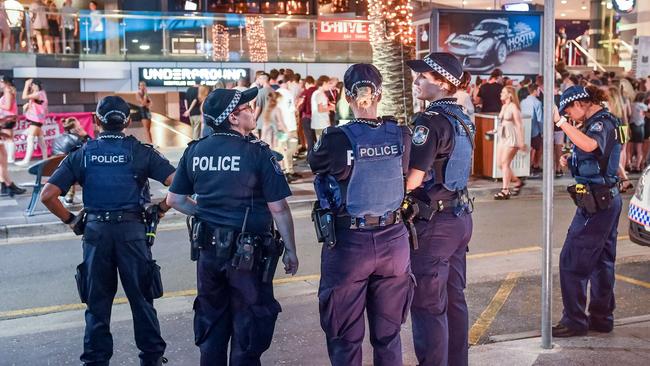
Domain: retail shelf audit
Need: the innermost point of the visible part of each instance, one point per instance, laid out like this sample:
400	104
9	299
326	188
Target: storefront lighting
256	39
563	1
584	7
563	15
145	47
220	43
135	40
391	20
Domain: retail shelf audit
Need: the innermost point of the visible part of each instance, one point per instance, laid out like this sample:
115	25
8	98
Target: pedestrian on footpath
36	110
240	190
360	169
114	170
441	156
589	251
193	108
144	101
8	115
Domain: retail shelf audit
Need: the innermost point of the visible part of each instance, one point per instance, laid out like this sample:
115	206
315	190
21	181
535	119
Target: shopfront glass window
259	6
347	7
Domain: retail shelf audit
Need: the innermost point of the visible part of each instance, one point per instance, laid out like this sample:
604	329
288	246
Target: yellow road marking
623	237
633	281
488	315
124	300
503	252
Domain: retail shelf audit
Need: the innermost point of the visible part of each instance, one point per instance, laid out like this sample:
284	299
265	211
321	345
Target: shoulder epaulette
258	142
195	141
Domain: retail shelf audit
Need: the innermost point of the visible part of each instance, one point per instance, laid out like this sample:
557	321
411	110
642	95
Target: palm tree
392	40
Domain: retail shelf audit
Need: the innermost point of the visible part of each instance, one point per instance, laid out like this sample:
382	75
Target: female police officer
439	168
361	165
114	170
240	189
589	250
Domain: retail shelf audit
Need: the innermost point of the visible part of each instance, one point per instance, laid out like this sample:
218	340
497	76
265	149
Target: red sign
52	128
332	29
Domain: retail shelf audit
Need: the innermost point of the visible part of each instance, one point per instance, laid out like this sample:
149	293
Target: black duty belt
369	222
115	216
426	211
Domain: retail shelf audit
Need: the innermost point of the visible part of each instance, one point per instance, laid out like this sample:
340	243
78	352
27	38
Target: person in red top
304	108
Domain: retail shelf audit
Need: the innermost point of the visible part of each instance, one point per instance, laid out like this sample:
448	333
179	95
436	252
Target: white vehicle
639	211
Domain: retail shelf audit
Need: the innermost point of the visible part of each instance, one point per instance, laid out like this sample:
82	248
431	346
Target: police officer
589	250
439	168
240	189
114	170
360	171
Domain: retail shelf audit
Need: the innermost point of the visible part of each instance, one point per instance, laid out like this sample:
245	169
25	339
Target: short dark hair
322	80
532	88
197	80
310	80
496	73
273	74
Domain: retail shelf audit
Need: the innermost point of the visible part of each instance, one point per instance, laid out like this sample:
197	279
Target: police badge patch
596	127
420	135
276	165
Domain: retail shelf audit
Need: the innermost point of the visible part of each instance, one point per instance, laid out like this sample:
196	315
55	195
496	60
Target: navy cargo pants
232	306
109	249
366	270
439	311
588	255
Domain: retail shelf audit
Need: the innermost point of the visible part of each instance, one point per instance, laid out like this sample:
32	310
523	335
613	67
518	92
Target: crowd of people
53	27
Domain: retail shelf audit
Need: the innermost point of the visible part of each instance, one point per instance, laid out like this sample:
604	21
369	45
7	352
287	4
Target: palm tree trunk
389	57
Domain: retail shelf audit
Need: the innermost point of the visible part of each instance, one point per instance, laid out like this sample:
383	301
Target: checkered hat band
352	92
573	98
104	117
440	70
226	112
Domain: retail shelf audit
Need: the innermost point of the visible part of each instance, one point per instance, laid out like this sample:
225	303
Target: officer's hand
564	160
290	261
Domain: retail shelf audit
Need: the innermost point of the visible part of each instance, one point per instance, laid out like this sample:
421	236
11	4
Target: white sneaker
22	163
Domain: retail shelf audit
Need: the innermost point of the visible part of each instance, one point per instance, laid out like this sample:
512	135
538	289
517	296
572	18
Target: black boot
5	190
13	189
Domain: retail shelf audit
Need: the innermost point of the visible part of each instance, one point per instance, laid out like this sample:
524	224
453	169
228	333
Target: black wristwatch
70	219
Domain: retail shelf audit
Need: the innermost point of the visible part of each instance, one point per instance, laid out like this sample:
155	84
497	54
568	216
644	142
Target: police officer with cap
589	251
360	171
440	164
240	190
114	170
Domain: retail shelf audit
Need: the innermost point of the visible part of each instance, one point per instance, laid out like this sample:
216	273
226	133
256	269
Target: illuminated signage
182	76
330	29
624	6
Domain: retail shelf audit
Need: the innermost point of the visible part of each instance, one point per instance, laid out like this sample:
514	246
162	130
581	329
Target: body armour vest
110	181
591	168
452	171
376	185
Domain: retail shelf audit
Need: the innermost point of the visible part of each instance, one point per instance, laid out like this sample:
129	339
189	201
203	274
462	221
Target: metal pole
28	32
548	70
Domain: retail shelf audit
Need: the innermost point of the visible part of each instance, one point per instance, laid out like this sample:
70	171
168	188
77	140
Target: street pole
548	70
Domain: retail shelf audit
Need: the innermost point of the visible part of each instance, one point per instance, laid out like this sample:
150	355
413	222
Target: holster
246	251
80	278
272	249
324	224
410	211
195	228
583	197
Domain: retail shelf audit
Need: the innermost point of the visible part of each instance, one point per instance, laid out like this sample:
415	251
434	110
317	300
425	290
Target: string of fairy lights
256	39
391	20
220	43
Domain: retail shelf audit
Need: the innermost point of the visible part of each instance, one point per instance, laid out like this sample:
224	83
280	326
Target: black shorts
537	142
9	125
646	129
37	124
144	113
637	133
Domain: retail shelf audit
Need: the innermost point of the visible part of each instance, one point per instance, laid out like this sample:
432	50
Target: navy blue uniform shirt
332	154
229	172
147	163
438	144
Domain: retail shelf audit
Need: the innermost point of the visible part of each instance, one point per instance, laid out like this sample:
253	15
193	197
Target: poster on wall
484	40
52	128
641	57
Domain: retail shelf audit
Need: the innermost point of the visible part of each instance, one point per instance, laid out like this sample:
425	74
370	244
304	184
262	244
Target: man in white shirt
70	26
320	107
287	105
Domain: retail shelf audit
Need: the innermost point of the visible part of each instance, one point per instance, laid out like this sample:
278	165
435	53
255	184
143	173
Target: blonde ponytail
364	97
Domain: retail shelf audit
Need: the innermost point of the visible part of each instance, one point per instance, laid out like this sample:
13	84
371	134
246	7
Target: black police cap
359	75
220	103
443	63
112	110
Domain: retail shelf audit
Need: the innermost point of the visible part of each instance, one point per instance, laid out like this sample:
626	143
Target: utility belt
368	222
115	216
420	210
593	197
246	251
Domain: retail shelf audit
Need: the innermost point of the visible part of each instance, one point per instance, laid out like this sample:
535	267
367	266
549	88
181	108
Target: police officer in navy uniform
240	190
589	251
440	164
114	170
362	165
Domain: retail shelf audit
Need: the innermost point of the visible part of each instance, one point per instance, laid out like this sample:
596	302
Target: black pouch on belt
222	239
244	258
583	197
602	196
196	229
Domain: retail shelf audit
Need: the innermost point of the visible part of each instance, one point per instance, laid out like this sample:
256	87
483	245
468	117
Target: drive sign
336	29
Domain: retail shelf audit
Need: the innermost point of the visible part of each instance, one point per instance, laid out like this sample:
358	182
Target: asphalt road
503	291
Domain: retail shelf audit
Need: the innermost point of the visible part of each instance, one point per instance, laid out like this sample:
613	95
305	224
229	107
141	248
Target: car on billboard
490	42
639	211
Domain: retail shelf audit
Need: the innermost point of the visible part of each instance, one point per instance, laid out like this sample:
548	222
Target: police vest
110	181
453	171
376	185
592	168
